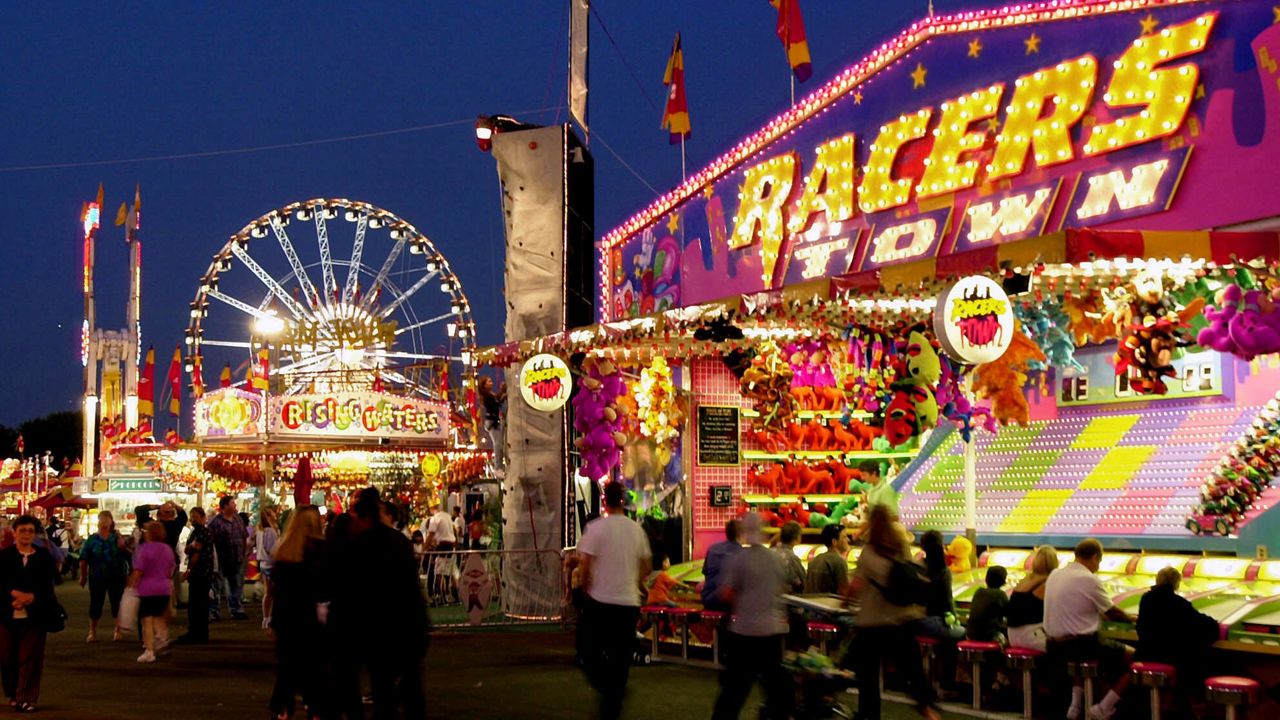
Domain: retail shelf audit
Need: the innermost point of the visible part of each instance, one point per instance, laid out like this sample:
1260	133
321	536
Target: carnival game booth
1022	258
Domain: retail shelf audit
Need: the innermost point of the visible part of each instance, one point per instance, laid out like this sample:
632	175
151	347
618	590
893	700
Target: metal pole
971	490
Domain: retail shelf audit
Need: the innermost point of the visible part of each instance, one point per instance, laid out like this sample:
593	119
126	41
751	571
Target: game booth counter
1024	259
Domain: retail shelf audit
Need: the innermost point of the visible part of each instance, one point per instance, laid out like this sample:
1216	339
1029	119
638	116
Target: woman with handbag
104	565
29	611
153	566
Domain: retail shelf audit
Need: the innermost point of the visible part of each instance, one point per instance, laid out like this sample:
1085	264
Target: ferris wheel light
375	222
451	328
303	214
446	286
258	231
268	324
433	265
330	213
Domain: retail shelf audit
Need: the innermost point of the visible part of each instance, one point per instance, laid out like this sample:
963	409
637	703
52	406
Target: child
986	611
662	586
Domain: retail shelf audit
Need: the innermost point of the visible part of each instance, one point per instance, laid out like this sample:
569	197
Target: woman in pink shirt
153	566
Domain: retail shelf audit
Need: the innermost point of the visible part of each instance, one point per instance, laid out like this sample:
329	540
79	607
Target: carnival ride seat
823	632
1232	692
1086	671
1153	675
1023	659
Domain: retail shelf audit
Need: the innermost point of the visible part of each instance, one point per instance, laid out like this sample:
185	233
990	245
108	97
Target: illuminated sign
974	321
228	412
930	147
1199	374
133	485
545	382
359	415
431	465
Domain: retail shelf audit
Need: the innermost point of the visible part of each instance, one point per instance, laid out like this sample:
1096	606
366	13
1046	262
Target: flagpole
683	173
793	85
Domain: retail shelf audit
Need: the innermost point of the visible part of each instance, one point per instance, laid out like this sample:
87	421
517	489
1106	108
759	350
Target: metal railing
472	588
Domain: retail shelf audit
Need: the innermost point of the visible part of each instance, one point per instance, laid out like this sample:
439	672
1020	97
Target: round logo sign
974	320
431	465
545	382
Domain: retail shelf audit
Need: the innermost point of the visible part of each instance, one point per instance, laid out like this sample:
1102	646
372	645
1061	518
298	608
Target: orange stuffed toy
1002	381
842	439
768	477
791	482
819	436
797	434
818	482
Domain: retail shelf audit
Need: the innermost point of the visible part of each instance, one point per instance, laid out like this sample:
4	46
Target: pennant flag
147	386
171	438
224	380
145	431
675	117
197	377
791	33
122	214
260	379
377	381
174	381
21	444
74	471
134	219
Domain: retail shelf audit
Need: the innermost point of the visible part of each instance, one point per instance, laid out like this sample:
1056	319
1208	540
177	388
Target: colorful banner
229	413
1004	125
358	415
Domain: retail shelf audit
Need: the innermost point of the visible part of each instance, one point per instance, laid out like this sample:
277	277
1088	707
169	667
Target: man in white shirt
1074	603
459	528
440	540
615	557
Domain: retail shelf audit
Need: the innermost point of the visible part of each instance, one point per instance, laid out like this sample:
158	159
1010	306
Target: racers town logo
545	382
977	315
974	320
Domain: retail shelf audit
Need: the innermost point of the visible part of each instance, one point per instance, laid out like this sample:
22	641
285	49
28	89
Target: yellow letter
879	190
829	186
884	247
1139	191
766	190
1164	94
1070	85
1014	215
943	172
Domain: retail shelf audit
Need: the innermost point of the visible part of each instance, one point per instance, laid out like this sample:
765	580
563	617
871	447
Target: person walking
264	544
441	541
714	562
886	628
229	535
297	584
753	584
199	576
104	566
378	615
153	566
27	575
615	555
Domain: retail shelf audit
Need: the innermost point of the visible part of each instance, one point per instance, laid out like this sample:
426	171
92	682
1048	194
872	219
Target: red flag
260	379
197	377
175	383
171	438
147	386
224	379
675	117
791	33
21	444
144	430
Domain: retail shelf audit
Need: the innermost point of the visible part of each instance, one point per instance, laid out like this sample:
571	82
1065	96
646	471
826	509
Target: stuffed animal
959	555
597	419
1002	380
767	383
819	435
900	421
923	365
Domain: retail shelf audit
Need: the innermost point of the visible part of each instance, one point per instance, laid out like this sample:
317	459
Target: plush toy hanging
1147	350
1086	319
1245	323
955	406
1002	381
767	383
1047	324
658	410
596	417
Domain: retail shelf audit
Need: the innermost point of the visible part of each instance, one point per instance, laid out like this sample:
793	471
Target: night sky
85	83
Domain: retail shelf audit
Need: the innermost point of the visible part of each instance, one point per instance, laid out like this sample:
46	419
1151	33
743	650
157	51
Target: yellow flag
122	213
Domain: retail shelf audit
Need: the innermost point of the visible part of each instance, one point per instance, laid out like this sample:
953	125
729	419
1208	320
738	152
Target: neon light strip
851	78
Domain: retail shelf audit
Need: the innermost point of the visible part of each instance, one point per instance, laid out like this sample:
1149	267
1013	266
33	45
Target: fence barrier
471	588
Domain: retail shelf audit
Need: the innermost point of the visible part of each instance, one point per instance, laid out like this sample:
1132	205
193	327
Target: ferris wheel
341	295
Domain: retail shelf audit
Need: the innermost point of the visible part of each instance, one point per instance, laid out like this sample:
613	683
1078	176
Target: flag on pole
175	382
21	444
260	379
147	386
224	380
171	438
675	116
197	378
791	33
578	24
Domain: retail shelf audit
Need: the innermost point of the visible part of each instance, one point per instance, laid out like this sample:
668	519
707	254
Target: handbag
129	603
54	617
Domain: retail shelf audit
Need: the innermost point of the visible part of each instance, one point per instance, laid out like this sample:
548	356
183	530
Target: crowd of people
895	599
342	598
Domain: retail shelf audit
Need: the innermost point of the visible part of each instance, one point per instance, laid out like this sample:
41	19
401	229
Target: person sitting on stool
1074	603
1173	632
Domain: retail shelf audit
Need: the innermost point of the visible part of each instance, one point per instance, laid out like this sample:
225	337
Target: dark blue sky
88	82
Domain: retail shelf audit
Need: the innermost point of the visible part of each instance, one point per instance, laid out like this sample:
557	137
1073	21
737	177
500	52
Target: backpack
908	584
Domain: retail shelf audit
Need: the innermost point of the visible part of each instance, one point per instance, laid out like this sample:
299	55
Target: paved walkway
507	674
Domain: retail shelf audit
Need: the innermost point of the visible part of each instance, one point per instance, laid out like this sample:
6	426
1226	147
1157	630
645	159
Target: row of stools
681	618
1229	691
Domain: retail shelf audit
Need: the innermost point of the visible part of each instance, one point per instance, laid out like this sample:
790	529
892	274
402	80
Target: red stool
684	614
975	652
1155	676
1085	671
1231	692
928	652
822	632
1023	659
714	618
654	613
